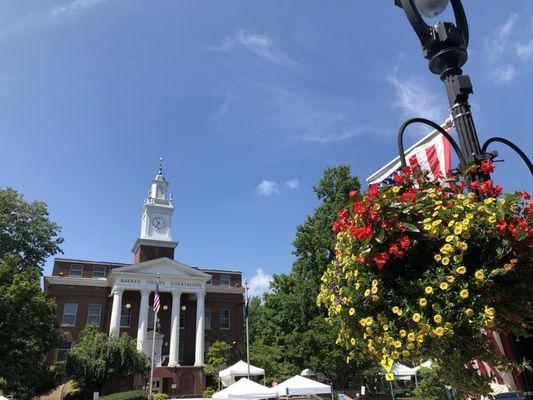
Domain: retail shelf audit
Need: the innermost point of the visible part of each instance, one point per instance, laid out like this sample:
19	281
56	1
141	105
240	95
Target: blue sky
247	101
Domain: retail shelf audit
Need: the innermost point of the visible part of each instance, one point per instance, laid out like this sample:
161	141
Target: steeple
155	240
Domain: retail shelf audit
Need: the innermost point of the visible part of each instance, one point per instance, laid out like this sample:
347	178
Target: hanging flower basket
422	268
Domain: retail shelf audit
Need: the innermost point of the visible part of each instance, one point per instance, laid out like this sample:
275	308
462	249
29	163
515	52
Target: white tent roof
245	389
403	370
299	385
241	369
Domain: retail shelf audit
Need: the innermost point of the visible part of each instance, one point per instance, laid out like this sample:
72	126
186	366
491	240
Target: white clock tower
156	222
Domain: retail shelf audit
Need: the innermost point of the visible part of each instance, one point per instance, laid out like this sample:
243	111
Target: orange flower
507	267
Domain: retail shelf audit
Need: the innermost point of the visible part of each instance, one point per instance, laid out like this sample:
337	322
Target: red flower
363	233
525	195
405	242
501	225
487	167
407	171
395	251
380	259
409	195
359	207
353	194
398	179
472	170
373	191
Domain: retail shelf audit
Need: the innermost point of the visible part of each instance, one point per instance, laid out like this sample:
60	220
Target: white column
143	319
173	360
199	353
114	323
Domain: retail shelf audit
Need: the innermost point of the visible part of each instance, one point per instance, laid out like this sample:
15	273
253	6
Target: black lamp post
445	46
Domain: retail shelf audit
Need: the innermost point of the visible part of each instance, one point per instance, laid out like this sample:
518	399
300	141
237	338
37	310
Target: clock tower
156	222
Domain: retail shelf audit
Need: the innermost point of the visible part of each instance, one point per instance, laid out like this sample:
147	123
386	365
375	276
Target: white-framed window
224	279
207	318
224	318
125	317
76	270
63	349
181	352
182	320
93	314
69	314
99	271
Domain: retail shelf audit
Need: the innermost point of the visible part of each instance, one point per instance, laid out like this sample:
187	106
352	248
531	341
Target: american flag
432	154
157	299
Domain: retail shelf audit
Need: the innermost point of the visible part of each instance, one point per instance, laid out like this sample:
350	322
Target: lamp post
444	45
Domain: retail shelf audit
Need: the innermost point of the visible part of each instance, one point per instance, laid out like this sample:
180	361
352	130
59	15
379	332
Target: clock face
158	223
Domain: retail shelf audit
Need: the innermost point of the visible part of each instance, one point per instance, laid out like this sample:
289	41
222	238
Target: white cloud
292	184
414	99
223	109
74	7
314	120
267	188
525	50
503	74
498	43
261	45
260	283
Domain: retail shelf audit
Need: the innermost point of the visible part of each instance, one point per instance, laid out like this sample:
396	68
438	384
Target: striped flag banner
157	299
432	154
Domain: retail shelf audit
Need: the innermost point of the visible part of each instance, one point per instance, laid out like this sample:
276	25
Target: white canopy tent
403	372
227	376
298	385
245	389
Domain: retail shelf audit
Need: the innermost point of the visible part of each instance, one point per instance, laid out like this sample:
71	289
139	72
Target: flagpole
247	328
153	351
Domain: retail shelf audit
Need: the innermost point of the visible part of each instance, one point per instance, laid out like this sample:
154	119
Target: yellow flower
464	294
479	275
489	311
427	221
395	355
369	330
439	331
450	238
352	341
450	224
374	289
469	312
338	308
420	339
411	337
458	229
444	286
352	311
369	320
395	189
427	227
397	344
400	312
448	325
461	270
437	257
363	322
437	318
385	327
428	290
437	222
395	309
450	279
403	333
367	292
458	258
445	261
425	328
492	220
416	317
423	302
405	353
374	282
377	207
357	285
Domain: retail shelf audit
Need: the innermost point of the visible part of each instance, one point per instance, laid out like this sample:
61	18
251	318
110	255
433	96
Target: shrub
131	395
160	396
208	392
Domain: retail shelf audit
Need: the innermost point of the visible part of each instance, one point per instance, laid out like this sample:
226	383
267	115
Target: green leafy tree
429	385
288	329
28	327
96	359
218	358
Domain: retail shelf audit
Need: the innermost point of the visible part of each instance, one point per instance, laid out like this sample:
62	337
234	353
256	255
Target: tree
288	330
218	358
28	327
96	359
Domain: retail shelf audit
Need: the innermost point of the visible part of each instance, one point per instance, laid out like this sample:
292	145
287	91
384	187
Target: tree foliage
287	330
218	358
96	359
28	327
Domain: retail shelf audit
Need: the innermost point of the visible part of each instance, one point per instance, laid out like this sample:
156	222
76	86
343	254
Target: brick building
198	306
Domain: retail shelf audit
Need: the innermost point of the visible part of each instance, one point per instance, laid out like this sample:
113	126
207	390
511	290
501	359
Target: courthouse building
198	306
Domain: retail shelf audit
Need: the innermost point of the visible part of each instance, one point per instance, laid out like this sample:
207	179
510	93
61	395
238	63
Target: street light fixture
445	45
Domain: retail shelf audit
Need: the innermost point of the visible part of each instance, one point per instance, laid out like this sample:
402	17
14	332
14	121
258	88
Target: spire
159	176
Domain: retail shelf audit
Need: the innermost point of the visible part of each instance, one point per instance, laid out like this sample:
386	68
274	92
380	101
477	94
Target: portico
175	278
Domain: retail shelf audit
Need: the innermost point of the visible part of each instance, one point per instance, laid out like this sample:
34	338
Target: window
62	350
224	279
76	270
207	345
182	320
93	314
125	317
69	314
224	318
207	318
99	271
181	352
